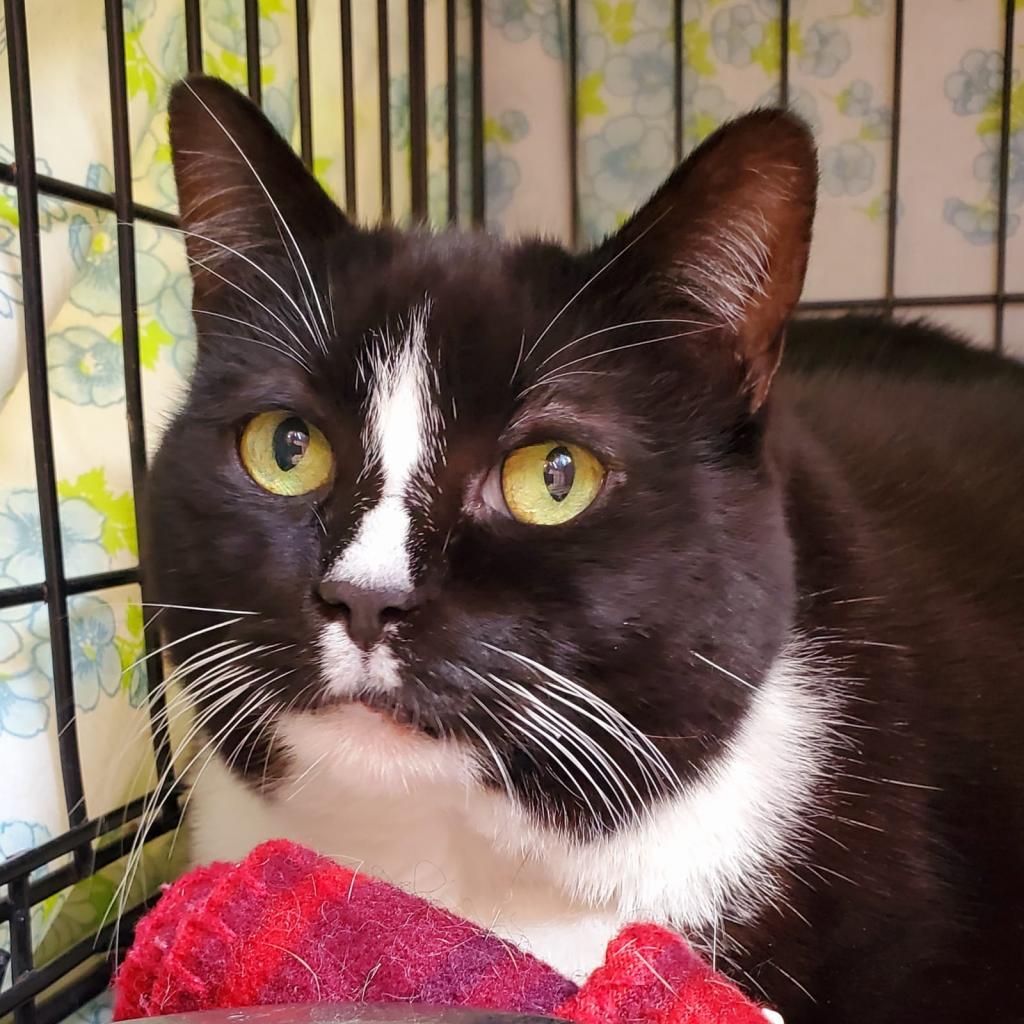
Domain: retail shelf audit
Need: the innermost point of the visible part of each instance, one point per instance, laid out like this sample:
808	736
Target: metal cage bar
417	40
784	23
1002	225
896	123
42	430
348	107
451	57
476	15
253	78
130	347
193	36
384	103
572	53
305	86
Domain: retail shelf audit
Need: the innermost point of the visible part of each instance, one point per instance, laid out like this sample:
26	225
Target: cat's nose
366	611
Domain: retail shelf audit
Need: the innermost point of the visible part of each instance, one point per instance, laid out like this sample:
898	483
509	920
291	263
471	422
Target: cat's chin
354	744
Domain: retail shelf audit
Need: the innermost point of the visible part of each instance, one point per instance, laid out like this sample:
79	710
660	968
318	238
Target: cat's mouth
392	708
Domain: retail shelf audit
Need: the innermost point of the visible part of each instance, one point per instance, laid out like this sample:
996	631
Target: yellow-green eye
550	483
284	454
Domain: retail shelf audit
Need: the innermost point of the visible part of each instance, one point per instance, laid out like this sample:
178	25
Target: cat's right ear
242	190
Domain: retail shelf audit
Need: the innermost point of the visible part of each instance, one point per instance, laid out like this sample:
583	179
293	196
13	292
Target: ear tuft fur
729	233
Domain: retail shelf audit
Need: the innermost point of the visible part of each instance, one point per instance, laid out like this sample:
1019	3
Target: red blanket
289	926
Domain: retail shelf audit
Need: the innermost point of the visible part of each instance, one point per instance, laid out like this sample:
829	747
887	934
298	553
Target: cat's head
487	511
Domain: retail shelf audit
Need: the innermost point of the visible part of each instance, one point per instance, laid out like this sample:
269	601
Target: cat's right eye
284	454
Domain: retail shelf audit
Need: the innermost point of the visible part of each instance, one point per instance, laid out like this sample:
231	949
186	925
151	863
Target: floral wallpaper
624	131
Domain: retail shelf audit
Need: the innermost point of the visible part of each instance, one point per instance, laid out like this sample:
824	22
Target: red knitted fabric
650	975
289	926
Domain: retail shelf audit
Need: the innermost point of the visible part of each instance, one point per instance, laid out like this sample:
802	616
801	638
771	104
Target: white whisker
270	199
593	277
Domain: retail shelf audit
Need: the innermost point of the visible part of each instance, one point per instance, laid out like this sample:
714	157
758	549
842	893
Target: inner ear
241	187
728	236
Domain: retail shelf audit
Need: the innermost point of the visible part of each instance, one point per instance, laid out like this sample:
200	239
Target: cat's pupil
559	473
291	439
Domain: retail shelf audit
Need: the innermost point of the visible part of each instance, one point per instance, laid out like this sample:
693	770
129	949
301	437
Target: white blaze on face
401	438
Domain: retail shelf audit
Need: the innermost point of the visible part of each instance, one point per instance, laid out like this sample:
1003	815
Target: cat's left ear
728	236
241	187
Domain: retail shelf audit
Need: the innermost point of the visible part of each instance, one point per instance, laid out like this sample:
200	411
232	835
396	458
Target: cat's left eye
285	454
550	483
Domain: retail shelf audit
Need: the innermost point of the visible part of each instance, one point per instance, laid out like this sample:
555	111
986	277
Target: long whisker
250	297
281	343
559	371
280	349
182	639
260	698
220	683
270	199
557	726
593	277
614	718
725	672
499	763
255	266
154	806
616	327
187	607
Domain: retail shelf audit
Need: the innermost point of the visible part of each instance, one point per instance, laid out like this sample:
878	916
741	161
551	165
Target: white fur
728	271
402	432
348	669
409	809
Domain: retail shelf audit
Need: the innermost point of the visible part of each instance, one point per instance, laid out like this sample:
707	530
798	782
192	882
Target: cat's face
488	510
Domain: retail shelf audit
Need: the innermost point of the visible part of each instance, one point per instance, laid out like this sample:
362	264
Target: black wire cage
48	991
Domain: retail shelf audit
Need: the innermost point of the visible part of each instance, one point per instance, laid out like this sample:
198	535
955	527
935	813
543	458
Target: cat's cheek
352	748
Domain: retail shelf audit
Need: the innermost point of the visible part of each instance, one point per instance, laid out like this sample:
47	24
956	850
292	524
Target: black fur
871	503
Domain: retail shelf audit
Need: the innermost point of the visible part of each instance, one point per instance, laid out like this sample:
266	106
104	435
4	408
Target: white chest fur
410	811
422	840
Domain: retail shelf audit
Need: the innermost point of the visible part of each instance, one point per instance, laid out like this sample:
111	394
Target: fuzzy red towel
289	926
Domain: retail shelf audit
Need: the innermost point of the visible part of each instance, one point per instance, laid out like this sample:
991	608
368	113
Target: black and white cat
543	595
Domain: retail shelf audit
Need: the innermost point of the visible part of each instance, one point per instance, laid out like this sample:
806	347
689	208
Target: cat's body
758	683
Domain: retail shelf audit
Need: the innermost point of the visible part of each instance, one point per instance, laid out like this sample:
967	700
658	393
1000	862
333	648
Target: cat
527	580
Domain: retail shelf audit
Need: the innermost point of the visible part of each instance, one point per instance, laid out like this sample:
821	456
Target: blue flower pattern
86	367
18	837
26	668
974	90
847	169
519	20
93	244
95	664
976	83
10	279
626	159
736	32
643	69
502	175
21	538
24	704
826	48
